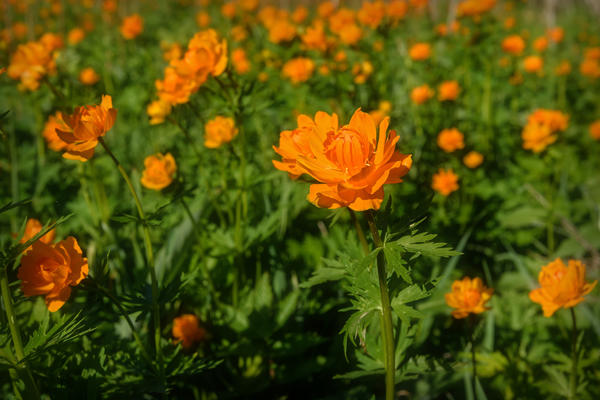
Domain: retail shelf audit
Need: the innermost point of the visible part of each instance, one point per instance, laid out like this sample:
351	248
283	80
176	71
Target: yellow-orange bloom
174	88
298	69
421	94
314	38
420	51
88	76
564	68
474	7
281	31
75	36
158	111
473	159
159	171
513	44
595	130
537	137
371	13
561	286
556	120
52	41
396	10
218	131
53	123
350	34
132	26
445	182
206	55
51	270
32	228
540	44
300	14
448	90
468	296
203	19
590	67
187	330
325	9
240	61
450	140
85	126
533	64
228	10
30	63
171	51
351	163
556	34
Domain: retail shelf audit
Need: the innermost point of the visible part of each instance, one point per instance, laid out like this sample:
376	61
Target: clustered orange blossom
541	129
351	163
159	171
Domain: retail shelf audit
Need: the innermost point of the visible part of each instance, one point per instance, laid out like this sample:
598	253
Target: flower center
348	150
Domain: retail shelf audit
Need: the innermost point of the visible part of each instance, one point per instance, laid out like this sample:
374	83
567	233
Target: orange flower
158	111
473	159
350	34
537	137
240	61
75	36
298	69
396	10
533	64
595	130
325	9
175	89
421	94
540	44
556	34
239	33
371	13
159	171
362	71
203	19
448	90
85	126
420	51
206	55
474	7
556	120
51	270
132	26
187	330
509	22
314	38
32	228
171	51
300	14
30	63
228	10
589	67
564	68
513	44
450	140
468	296
445	182
351	163
53	123
88	76
218	131
562	286
281	31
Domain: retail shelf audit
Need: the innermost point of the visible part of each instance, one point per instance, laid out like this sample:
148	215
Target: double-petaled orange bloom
84	127
513	44
132	26
561	286
450	140
219	130
420	51
445	182
187	331
159	171
448	90
30	63
421	94
51	270
468	296
32	228
351	163
298	69
541	128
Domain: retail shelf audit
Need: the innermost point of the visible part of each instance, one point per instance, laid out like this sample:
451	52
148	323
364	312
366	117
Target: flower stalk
149	258
386	310
573	377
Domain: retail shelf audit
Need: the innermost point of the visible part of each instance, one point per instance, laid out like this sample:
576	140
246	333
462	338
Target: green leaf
393	257
286	307
12	205
325	274
422	244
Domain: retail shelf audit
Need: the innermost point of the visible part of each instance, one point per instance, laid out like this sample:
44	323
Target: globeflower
595	130
448	90
420	51
240	61
219	130
513	44
206	55
30	63
468	296
540	44
396	10
51	270
158	111
474	7
84	127
298	69
175	89
421	94
533	64
450	140
561	286
371	13
445	182
473	159
187	331
53	123
352	163
75	36
32	228
132	26
159	171
88	76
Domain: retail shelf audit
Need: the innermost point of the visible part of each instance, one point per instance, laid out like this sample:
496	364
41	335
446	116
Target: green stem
136	336
187	135
149	258
473	359
57	93
31	390
359	232
387	332
573	378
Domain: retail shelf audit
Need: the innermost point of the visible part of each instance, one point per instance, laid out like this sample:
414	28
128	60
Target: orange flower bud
448	90
53	123
187	330
561	286
450	140
445	182
473	159
88	76
218	131
51	270
351	163
132	26
85	126
468	296
159	171
540	44
203	19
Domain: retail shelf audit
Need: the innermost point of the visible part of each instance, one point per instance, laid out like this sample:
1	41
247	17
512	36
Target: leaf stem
573	378
149	259
387	331
13	325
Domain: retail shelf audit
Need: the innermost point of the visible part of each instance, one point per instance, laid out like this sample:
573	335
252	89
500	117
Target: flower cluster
541	129
33	61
